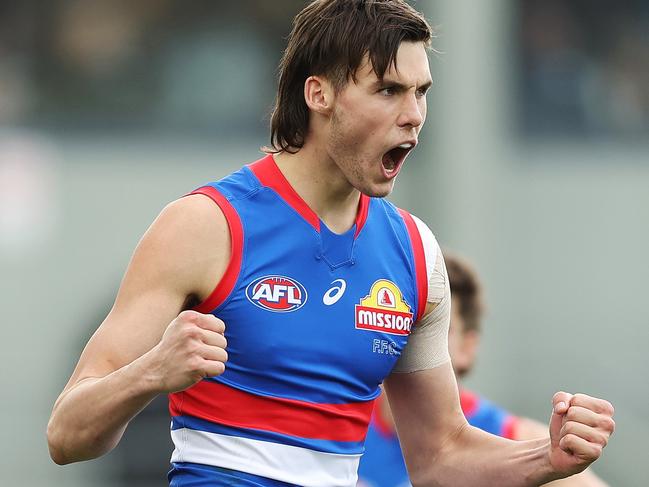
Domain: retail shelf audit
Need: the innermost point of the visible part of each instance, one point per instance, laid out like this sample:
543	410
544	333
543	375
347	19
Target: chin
381	190
375	192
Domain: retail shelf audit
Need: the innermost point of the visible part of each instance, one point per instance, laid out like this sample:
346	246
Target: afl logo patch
280	294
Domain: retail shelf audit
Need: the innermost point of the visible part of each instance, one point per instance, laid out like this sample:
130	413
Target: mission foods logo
384	309
280	294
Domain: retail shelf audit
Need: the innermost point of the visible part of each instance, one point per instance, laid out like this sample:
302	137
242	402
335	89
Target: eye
421	92
387	91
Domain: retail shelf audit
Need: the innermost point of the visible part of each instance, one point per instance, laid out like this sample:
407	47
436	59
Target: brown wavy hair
330	38
467	289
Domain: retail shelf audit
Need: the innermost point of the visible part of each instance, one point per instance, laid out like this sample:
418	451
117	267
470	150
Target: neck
321	184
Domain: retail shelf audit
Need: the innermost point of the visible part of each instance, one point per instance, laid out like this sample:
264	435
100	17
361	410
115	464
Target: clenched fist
579	429
192	348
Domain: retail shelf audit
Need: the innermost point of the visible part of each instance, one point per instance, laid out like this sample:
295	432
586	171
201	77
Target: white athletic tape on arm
427	345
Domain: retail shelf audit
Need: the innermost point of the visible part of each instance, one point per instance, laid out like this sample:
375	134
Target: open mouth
393	159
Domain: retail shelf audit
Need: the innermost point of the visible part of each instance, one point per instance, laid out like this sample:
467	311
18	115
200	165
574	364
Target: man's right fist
192	348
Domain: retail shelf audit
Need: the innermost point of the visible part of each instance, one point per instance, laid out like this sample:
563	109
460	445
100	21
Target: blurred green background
534	164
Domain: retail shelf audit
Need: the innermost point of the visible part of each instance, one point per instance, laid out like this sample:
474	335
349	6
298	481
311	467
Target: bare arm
145	347
529	429
442	449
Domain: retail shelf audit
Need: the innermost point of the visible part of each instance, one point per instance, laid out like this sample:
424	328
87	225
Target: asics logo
334	293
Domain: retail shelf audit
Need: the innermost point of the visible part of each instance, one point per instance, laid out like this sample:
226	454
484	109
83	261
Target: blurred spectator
169	65
116	65
583	67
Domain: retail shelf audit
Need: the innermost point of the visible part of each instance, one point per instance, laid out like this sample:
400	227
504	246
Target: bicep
426	409
182	254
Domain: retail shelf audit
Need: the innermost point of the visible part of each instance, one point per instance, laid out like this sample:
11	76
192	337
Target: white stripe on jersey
287	463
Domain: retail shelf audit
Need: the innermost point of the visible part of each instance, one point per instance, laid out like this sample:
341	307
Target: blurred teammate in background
382	463
312	282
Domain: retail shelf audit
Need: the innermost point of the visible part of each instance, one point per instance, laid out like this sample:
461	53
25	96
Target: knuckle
566	441
194	349
220	324
572	413
597	451
568	428
602	440
573	438
187	315
218	368
560	396
191	332
195	364
580	398
607	424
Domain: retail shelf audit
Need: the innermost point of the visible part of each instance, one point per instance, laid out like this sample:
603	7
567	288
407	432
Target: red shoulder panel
226	284
420	262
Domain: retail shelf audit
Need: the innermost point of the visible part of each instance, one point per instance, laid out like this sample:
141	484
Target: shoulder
189	242
190	223
437	287
192	210
422	235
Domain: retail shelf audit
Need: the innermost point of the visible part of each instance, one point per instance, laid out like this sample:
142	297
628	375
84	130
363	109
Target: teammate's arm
146	345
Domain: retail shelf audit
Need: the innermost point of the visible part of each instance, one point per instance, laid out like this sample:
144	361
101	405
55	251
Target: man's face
376	122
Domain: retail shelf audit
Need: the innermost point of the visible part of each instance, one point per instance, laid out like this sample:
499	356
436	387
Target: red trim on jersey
468	403
361	215
270	176
510	427
227	282
219	403
420	262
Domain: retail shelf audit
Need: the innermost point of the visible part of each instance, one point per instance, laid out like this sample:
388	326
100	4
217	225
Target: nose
413	112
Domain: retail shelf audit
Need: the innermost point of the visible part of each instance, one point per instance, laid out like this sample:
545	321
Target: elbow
58	457
68	445
423	469
63	444
55	444
438	463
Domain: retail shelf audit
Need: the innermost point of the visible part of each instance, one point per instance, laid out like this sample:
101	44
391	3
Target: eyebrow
400	86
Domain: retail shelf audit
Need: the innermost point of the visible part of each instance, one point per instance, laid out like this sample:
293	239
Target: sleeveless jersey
382	464
314	322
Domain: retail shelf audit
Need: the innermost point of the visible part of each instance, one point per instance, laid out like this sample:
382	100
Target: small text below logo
385	347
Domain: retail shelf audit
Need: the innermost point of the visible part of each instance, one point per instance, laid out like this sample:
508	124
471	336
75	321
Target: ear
318	94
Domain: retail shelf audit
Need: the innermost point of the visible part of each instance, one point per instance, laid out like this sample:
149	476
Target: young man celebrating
313	289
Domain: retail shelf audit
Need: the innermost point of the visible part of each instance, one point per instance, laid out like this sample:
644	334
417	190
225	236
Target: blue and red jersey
382	464
314	322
